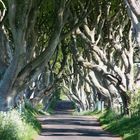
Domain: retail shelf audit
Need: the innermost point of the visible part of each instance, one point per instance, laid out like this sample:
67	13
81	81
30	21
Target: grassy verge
126	127
19	126
88	113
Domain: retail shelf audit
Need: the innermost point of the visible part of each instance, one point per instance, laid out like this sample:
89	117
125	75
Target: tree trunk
126	101
7	82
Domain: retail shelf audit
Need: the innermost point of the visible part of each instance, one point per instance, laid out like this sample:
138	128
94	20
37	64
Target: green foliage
127	127
39	106
52	106
55	98
108	116
73	105
87	113
63	96
16	126
29	116
39	109
134	106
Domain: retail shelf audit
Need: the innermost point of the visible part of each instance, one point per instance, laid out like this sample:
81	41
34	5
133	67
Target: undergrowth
126	127
19	126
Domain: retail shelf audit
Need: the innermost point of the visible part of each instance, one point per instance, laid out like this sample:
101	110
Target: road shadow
75	132
62	124
58	125
68	121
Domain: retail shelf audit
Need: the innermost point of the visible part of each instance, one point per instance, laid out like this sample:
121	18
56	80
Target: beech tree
108	42
30	41
133	7
87	48
22	39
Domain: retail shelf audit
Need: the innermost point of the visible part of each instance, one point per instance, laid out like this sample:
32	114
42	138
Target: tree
86	45
21	30
133	7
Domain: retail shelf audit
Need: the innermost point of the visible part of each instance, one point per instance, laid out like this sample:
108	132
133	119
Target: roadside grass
29	115
126	127
87	113
19	126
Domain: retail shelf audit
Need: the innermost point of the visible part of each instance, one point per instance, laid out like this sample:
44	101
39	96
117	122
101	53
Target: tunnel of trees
88	50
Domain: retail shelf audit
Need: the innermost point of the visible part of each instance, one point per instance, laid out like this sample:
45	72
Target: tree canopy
87	49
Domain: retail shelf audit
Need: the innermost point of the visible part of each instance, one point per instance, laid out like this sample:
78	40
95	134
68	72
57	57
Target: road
63	126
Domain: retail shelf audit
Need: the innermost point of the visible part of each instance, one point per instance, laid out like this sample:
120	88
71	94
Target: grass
29	115
88	113
19	126
126	127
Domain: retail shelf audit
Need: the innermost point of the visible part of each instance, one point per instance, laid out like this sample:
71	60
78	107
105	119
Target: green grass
50	110
29	115
128	128
19	126
124	126
87	113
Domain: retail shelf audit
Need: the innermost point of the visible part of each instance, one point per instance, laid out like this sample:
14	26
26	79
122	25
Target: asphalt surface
63	126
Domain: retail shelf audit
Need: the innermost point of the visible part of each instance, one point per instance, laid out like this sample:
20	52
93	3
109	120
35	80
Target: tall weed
16	126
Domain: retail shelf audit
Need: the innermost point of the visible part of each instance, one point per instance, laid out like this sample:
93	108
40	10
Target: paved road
63	126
